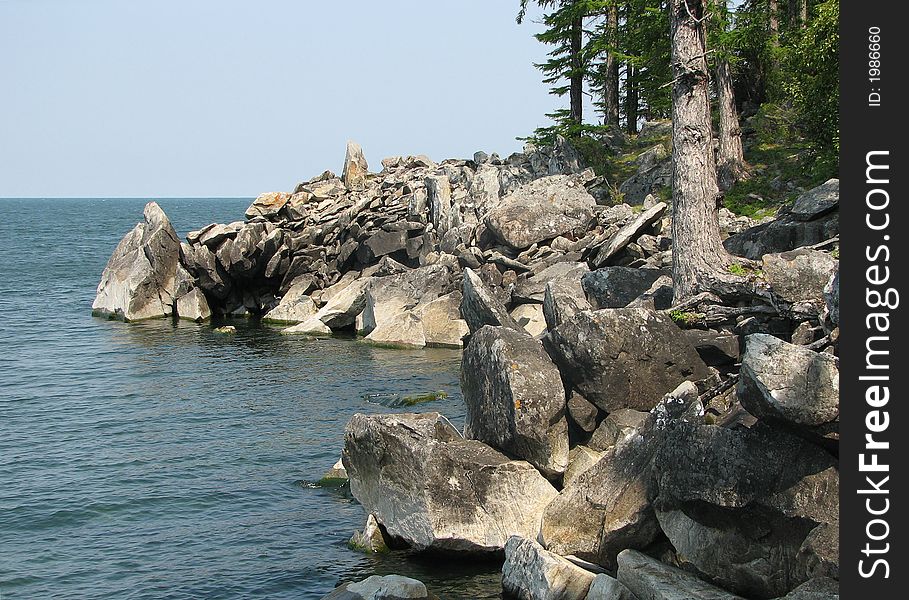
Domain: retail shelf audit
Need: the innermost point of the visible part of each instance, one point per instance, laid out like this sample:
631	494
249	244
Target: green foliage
736	269
689	319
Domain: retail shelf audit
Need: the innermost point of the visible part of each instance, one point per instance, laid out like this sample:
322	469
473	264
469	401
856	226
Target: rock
799	275
530	317
370	540
582	413
716	349
311	326
784	382
437	491
381	244
479	306
442	323
388	297
265	205
402	330
342	308
355	167
623	357
336	474
295	306
603	255
819	588
580	460
781	235
541	210
225	329
140	277
565	275
607	508
438	197
203	264
605	587
214	234
616	287
649	579
738	505
832	297
514	397
616	427
193	306
532	573
387	587
817	202
654	172
560	304
240	256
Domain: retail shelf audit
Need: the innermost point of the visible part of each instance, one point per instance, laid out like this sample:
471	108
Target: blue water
161	460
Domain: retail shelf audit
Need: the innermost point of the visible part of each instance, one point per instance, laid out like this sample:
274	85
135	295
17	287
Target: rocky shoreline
616	445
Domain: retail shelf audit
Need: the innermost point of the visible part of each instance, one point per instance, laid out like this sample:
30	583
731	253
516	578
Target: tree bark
611	71
803	13
698	256
773	15
631	100
730	156
576	92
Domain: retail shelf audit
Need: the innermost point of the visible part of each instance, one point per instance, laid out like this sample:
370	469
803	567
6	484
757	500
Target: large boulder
818	201
295	306
479	305
541	210
602	255
442	322
434	490
560	303
139	280
565	275
339	312
266	205
782	234
649	579
623	357
385	587
616	287
784	382
532	573
514	396
743	506
193	306
388	297
607	507
355	167
799	275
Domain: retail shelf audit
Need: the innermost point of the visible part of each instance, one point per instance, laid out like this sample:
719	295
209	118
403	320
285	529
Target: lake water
162	460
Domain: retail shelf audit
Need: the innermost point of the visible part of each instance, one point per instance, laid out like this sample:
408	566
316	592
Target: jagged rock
403	330
267	205
623	357
832	297
295	306
140	277
339	312
739	504
370	539
389	297
530	317
532	573
381	244
483	193
479	306
649	579
386	587
799	275
580	460
654	172
442	322
781	235
437	491
605	587
355	167
565	275
616	427
819	588
582	413
193	306
601	256
438	197
560	304
616	287
541	210
784	382
240	256
215	234
607	508
514	397
714	348
817	202
339	286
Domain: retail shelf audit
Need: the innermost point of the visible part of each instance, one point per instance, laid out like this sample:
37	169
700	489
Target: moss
685	318
835	253
737	270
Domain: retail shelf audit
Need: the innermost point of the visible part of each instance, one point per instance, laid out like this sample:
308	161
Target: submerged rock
648	578
386	587
532	573
140	278
193	306
514	396
434	490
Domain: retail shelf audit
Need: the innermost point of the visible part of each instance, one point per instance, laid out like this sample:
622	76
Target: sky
215	98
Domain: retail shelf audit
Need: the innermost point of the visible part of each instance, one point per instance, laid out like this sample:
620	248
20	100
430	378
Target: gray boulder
602	255
480	307
784	382
442	322
649	579
434	490
605	587
616	427
541	210
532	573
616	287
386	587
193	306
565	275
139	280
266	205
514	396
818	201
561	303
818	588
799	275
355	167
623	357
295	306
781	235
389	297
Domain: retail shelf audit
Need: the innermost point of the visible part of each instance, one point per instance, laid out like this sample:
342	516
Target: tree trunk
631	100
773	15
576	92
803	13
698	256
611	71
730	157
